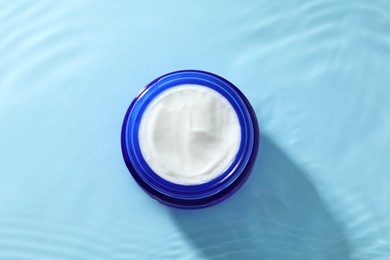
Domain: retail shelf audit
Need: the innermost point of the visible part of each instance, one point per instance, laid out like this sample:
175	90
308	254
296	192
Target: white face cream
189	134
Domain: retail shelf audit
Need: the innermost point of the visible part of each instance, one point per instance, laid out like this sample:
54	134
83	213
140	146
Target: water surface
316	72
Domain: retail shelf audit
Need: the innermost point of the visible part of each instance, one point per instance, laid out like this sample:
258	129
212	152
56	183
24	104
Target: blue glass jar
199	195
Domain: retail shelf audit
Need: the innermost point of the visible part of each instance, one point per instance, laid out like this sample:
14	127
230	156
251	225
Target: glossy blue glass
191	196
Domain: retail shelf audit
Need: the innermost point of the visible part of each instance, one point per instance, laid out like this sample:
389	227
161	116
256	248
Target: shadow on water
277	214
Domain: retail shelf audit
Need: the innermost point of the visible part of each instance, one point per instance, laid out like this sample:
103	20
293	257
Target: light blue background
316	72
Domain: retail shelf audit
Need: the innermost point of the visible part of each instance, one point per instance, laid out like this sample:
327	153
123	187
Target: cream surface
189	134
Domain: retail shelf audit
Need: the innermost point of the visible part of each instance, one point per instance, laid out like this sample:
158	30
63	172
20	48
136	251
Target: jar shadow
277	214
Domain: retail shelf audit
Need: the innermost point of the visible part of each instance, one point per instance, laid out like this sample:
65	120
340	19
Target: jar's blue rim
190	196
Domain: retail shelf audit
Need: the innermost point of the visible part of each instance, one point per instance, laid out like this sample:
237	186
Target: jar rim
197	195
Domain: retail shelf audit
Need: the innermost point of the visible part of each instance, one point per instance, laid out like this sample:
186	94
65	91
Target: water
317	73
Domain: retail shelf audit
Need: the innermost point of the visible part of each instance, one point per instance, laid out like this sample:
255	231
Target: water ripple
316	72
